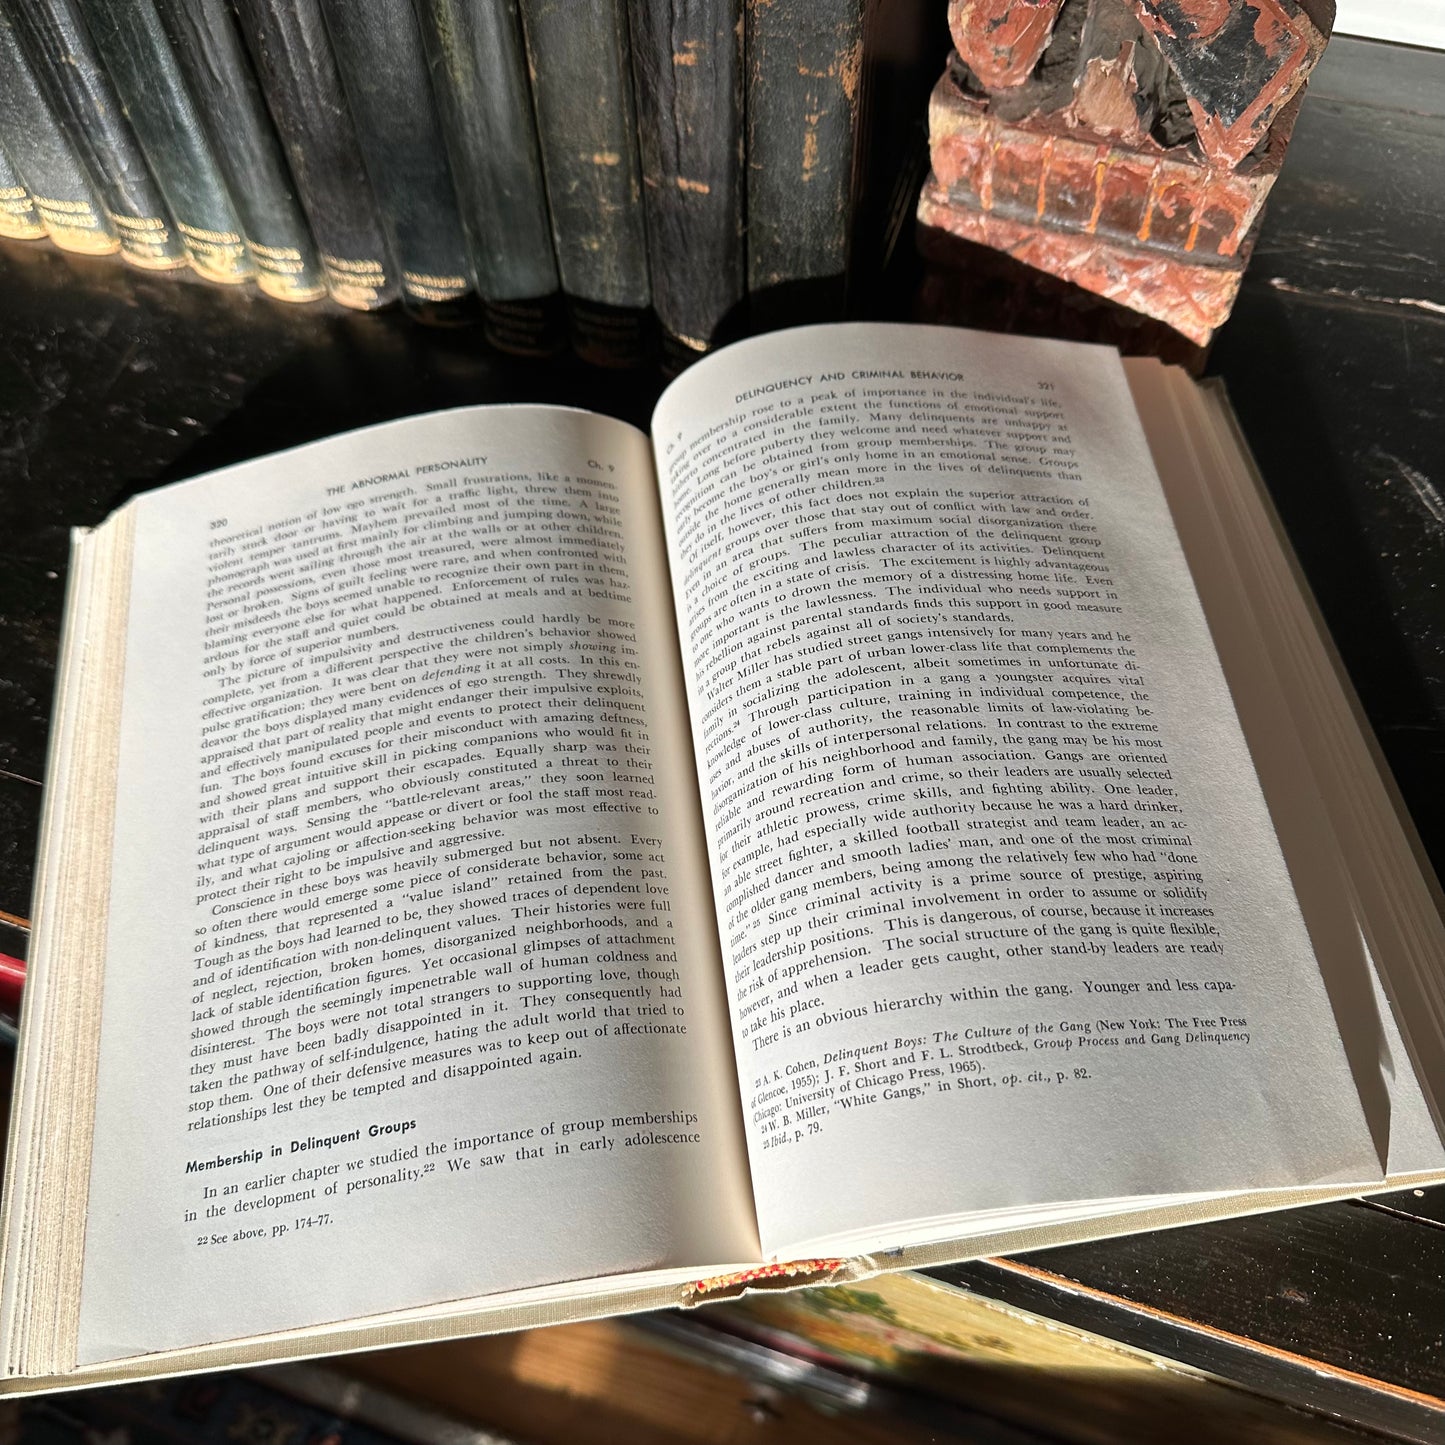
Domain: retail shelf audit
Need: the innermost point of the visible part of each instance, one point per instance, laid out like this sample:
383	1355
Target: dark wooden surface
111	381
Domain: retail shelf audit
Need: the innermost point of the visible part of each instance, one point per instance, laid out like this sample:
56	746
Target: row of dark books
564	167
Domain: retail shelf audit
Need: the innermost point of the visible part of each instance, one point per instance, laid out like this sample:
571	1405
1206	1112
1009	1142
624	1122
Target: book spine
84	102
479	76
582	86
131	42
62	192
383	68
687	64
19	220
293	59
804	67
212	56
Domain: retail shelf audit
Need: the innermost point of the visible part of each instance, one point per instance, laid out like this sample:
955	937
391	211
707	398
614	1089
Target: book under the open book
499	868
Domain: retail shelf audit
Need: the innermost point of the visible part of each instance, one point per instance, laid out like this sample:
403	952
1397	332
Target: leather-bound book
805	65
42	162
384	72
83	98
484	101
292	54
688	66
168	125
582	83
55	183
212	57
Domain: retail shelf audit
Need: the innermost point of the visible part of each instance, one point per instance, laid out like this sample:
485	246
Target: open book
499	868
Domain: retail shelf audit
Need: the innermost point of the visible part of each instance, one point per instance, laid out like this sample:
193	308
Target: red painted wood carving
1125	146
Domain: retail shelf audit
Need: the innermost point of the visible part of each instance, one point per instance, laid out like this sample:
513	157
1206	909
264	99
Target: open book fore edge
47	1173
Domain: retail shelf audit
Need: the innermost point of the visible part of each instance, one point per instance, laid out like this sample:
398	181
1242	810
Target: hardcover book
687	67
500	867
57	52
378	50
805	97
478	64
297	72
46	168
577	57
168	124
211	53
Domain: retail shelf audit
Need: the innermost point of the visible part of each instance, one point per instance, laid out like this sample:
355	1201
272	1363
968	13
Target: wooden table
111	381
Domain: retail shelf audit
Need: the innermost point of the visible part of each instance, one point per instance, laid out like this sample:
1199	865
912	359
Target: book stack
563	172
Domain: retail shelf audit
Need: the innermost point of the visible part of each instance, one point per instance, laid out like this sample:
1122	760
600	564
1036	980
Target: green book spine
288	44
211	53
384	71
687	64
45	164
479	76
168	125
83	100
19	220
582	86
805	65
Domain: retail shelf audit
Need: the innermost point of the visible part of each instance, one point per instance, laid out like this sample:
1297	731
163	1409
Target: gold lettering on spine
354	282
217	255
281	273
435	288
18	217
74	226
145	242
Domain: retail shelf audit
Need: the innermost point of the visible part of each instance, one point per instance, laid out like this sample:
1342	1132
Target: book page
1005	922
412	991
